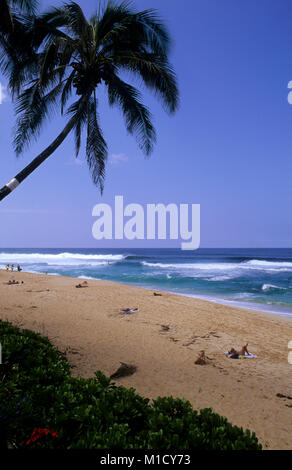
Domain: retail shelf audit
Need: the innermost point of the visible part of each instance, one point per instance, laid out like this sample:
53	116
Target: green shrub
39	397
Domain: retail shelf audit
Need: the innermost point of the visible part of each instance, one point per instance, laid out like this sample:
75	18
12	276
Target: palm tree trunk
9	187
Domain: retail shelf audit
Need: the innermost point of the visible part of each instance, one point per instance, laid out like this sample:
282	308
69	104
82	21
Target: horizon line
149	248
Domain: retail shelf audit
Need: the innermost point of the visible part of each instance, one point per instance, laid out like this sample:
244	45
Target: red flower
38	433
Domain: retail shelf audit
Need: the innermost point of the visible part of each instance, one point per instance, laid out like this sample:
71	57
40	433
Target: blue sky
228	148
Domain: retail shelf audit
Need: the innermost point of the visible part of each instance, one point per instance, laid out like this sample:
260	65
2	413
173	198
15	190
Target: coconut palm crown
74	59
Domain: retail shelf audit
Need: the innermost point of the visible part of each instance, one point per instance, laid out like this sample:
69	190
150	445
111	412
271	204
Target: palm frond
156	35
79	109
10	8
26	6
121	27
137	116
77	133
54	18
96	147
54	61
33	108
6	22
113	22
157	74
76	21
67	90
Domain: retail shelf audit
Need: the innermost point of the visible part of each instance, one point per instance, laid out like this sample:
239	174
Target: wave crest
266	287
62	259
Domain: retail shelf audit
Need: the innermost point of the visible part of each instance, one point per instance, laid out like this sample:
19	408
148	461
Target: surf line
156	222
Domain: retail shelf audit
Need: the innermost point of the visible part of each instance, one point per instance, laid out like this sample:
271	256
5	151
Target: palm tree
79	57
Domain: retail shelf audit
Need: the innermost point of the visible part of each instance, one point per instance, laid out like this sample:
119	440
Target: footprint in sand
69	350
285	397
280	395
192	341
164	328
44	290
175	340
210	333
206	336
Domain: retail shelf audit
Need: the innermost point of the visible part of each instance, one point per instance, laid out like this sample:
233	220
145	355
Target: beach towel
237	356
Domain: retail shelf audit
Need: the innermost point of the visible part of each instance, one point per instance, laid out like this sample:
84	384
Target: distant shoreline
263	308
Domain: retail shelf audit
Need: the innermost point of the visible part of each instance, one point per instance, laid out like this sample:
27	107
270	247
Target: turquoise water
253	278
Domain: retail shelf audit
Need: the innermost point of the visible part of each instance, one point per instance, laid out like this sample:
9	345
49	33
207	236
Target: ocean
253	278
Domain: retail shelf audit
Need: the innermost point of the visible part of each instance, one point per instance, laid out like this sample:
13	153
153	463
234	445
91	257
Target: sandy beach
163	340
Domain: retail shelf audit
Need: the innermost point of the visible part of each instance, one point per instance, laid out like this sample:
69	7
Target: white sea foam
70	259
243	295
196	266
60	259
221	278
271	286
260	265
88	277
268	265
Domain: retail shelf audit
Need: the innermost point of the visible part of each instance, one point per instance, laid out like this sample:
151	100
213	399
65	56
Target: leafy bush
42	405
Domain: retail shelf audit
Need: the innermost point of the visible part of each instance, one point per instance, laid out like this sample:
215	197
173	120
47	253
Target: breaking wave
62	259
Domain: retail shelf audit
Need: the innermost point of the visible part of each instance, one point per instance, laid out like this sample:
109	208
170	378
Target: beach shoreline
257	279
163	340
253	306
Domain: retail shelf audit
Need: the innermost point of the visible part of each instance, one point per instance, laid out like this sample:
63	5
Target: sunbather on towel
129	310
83	284
235	354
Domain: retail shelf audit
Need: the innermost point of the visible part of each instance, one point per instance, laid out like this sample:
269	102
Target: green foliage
37	391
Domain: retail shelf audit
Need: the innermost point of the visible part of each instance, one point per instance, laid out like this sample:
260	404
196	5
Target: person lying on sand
83	284
129	310
235	354
13	282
